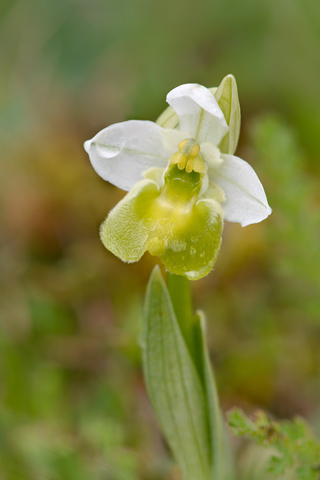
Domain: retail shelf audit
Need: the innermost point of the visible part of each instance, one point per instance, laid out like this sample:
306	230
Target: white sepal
246	201
122	152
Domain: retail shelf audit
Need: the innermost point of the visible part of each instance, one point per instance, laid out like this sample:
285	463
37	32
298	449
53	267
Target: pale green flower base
168	221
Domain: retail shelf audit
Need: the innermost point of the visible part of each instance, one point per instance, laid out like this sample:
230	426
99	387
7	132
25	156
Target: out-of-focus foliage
72	399
294	443
297	216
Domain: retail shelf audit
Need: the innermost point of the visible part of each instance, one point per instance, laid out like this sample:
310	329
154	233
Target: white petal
122	152
246	201
199	113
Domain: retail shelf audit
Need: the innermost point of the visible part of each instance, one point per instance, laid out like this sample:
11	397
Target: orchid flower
183	180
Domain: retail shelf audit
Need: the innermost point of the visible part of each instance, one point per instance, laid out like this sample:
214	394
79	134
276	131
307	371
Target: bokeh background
73	403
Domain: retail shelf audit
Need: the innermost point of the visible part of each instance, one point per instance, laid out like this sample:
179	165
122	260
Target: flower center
188	157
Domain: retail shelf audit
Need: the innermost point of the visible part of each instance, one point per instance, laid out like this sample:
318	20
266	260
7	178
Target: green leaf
294	443
240	424
278	465
221	461
307	472
173	383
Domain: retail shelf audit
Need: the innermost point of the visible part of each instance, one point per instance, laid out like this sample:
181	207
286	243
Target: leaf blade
173	384
221	459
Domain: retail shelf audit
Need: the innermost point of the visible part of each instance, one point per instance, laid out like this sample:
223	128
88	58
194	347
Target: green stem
180	294
179	290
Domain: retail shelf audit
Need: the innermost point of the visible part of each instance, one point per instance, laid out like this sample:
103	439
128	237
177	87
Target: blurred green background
73	403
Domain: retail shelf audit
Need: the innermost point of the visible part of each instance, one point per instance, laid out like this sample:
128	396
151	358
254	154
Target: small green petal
227	97
124	231
193	249
168	118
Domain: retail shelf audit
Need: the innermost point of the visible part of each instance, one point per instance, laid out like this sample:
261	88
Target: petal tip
257	219
86	145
